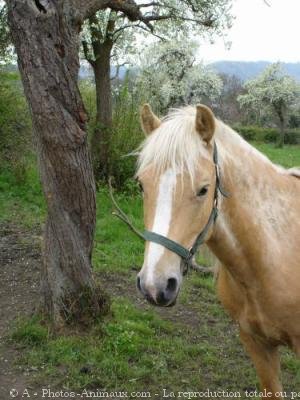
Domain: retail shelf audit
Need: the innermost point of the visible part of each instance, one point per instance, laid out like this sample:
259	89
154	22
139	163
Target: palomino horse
256	236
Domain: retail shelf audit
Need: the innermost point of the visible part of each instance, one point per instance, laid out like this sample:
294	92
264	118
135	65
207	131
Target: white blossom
170	77
271	91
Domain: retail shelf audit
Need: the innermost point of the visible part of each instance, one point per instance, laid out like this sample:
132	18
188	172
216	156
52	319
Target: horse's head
177	175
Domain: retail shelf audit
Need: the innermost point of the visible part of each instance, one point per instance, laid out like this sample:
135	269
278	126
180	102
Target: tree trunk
45	35
102	133
280	110
281	133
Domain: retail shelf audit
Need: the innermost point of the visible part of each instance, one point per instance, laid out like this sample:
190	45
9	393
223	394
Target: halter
187	254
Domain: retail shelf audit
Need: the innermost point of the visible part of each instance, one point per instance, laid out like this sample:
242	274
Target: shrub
292	136
267	135
126	135
15	125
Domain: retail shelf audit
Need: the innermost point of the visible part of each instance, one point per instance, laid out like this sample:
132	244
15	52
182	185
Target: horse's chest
257	321
248	309
260	312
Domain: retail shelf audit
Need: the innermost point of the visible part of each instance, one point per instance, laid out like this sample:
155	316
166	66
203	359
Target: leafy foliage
108	26
273	93
169	76
270	89
5	41
166	20
126	131
15	126
127	135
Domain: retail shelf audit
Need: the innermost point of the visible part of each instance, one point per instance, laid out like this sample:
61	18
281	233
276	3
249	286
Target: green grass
136	349
133	349
22	201
116	247
288	157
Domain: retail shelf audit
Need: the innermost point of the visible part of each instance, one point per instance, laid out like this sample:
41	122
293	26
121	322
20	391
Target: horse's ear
149	120
205	122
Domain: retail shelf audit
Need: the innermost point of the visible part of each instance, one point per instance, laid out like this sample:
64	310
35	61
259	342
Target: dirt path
19	276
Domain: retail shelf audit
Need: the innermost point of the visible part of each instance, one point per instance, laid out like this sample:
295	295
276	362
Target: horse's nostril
172	285
161	299
138	283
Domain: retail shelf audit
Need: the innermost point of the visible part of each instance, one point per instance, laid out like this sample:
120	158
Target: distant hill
244	70
85	71
250	69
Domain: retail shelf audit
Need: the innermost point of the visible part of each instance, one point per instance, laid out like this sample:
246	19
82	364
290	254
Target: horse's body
257	240
256	236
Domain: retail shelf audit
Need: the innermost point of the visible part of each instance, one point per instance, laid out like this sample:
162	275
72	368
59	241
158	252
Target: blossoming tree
272	93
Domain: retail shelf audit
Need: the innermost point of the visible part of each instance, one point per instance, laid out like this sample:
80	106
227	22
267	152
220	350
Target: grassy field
287	157
191	347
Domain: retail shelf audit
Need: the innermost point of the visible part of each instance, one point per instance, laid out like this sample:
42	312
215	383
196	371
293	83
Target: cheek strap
181	251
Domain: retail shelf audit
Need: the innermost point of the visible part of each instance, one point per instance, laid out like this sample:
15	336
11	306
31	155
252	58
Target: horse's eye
203	191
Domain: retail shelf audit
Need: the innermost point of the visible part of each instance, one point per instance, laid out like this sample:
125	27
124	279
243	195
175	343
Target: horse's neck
251	220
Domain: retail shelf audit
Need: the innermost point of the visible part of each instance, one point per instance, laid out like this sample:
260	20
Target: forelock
175	144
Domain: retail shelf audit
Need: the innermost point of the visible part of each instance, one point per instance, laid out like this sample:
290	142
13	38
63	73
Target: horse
255	237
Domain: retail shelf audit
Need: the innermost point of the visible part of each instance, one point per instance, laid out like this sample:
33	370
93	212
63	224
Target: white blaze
162	219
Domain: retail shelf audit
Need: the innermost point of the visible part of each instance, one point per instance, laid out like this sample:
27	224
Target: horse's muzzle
164	297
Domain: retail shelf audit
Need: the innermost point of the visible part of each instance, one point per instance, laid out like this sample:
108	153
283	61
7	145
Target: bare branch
128	7
156	17
139	26
153	4
122	28
118	70
86	53
133	12
120	214
144	28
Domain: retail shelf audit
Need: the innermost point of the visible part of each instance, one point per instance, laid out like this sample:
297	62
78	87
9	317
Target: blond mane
175	144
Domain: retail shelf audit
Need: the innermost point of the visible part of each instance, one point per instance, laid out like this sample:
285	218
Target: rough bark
45	35
102	134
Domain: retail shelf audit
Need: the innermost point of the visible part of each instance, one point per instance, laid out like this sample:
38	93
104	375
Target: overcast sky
260	33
